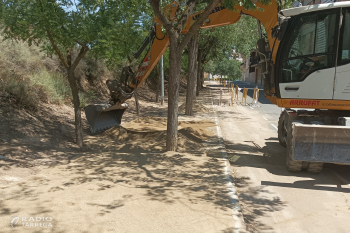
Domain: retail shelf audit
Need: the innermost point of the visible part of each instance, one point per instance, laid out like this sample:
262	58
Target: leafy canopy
109	28
225	67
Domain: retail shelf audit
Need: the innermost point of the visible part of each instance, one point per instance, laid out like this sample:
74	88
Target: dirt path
122	183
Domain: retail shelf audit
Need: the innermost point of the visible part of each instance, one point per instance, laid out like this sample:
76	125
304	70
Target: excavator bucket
104	116
321	143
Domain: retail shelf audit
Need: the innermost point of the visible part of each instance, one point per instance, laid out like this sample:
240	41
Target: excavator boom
305	64
103	116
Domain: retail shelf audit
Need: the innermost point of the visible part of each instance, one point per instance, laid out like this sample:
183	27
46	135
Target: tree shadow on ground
165	177
254	201
192	175
254	204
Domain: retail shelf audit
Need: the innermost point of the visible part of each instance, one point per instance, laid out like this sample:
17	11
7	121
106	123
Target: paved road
273	199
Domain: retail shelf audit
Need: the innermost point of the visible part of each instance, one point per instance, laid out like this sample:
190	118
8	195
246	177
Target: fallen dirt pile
116	133
149	133
197	108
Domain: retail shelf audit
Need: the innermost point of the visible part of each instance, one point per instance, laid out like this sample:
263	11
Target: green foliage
225	67
86	98
21	91
21	68
110	29
244	34
28	76
53	84
45	86
248	4
220	42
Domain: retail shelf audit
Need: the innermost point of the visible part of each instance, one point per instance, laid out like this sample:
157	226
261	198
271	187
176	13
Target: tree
244	34
192	74
216	45
228	67
207	44
173	28
65	26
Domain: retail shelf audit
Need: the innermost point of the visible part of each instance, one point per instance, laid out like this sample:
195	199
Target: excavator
306	70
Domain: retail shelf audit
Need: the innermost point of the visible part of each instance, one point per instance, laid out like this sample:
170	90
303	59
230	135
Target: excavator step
104	116
321	143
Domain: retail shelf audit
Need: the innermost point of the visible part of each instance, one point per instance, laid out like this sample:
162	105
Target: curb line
236	210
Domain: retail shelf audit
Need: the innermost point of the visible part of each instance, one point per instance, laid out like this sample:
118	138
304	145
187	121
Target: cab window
345	39
310	46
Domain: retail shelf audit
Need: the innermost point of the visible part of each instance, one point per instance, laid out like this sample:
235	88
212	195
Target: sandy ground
123	181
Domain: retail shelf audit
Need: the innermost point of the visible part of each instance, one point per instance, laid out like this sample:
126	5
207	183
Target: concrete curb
236	210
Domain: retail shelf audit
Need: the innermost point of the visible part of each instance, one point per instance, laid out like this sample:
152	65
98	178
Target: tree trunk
202	78
77	110
173	92
192	75
137	103
199	59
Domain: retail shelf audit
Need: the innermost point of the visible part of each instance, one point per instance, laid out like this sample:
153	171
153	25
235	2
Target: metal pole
162	81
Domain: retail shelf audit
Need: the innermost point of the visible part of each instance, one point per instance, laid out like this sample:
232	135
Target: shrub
23	92
28	76
54	85
85	98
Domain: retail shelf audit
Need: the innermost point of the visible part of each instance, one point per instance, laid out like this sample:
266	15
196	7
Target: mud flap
102	116
321	143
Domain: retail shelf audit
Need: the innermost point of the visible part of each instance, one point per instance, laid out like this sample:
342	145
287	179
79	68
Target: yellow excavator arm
308	69
104	116
220	16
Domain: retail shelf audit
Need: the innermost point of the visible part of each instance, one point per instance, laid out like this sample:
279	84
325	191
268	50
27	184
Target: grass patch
54	85
85	98
28	76
22	92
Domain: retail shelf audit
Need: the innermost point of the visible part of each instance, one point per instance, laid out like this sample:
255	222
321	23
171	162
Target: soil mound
147	124
149	133
116	133
197	108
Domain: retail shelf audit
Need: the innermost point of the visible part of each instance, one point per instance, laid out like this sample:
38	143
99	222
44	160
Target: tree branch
188	11
84	49
69	57
55	47
77	41
198	23
167	24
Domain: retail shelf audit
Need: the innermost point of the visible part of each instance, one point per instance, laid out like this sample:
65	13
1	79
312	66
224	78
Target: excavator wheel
282	132
292	165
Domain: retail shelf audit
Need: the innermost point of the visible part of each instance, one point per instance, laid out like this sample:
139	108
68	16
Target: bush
28	76
85	98
54	85
23	73
23	92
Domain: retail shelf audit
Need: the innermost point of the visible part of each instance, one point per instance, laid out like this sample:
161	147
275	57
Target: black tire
315	167
281	132
292	165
